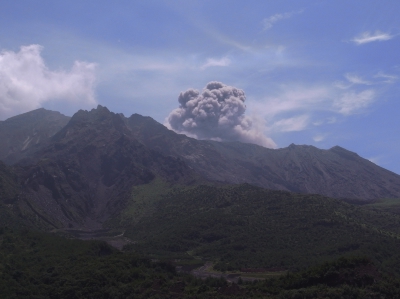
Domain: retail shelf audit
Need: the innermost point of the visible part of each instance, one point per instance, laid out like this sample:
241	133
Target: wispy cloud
351	102
292	124
368	37
224	61
300	108
352	79
319	138
387	78
292	110
270	21
294	99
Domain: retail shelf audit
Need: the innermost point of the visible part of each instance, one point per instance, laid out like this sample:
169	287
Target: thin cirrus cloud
352	102
319	138
295	109
269	22
368	37
224	61
352	80
27	83
292	124
294	99
386	77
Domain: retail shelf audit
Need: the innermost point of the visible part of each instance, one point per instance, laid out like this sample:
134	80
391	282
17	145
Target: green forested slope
245	227
9	191
37	265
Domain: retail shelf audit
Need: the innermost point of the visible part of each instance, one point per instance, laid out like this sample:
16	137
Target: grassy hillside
248	227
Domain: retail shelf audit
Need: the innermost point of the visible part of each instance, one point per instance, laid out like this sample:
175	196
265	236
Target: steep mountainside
299	168
336	172
86	171
9	191
24	133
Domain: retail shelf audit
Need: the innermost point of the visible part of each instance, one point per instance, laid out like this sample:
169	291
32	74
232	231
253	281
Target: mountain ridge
335	172
174	194
83	174
24	133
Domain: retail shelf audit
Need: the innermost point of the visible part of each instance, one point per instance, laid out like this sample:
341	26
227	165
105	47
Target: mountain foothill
237	205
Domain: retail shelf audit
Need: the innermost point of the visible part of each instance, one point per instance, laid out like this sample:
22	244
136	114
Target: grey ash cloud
217	113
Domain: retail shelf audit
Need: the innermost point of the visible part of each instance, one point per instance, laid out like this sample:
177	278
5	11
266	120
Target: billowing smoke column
217	114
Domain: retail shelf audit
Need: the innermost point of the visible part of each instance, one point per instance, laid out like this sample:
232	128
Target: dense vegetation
235	227
39	265
9	192
248	227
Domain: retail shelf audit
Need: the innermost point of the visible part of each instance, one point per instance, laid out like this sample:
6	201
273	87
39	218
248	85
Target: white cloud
328	120
351	102
342	85
26	83
354	79
319	138
292	124
293	99
293	109
388	78
367	37
318	123
224	61
270	21
299	108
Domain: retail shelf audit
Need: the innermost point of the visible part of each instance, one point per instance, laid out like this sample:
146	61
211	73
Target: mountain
79	172
189	201
336	172
84	173
23	133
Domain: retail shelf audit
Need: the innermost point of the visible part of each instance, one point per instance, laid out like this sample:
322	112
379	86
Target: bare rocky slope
84	173
336	172
79	171
26	132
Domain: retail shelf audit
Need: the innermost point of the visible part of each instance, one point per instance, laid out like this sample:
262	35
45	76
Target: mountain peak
336	172
36	114
344	152
27	131
293	146
99	121
101	109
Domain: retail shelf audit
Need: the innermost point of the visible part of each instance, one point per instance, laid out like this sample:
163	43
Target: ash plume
217	113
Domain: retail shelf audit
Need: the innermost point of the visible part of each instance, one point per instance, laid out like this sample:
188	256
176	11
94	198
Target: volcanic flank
82	169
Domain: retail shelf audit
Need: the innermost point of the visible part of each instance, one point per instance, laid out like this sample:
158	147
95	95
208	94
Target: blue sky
323	73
